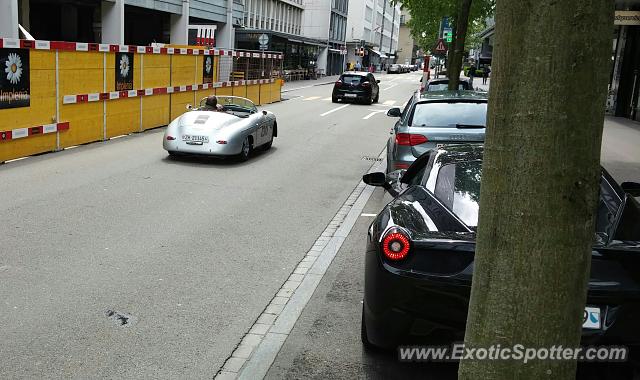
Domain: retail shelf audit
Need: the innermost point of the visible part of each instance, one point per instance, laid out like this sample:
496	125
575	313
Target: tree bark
541	174
462	24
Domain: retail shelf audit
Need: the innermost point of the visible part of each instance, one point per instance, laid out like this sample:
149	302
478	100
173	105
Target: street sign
447	34
441	48
263	40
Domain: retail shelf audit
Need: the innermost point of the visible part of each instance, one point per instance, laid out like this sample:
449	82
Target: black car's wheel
246	150
375	100
363	334
334	99
172	154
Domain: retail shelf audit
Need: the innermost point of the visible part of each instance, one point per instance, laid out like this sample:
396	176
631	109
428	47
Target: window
458	188
446	114
368	14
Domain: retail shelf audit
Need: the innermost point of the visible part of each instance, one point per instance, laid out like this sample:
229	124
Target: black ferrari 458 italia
420	252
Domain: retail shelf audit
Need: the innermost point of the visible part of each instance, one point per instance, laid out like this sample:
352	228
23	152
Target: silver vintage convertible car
234	128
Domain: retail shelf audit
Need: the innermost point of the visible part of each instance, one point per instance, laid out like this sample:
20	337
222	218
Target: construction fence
55	95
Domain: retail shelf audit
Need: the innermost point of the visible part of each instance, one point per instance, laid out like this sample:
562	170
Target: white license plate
195	139
591	318
350	95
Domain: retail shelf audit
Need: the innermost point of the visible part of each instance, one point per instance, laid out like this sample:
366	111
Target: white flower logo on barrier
14	68
124	66
208	65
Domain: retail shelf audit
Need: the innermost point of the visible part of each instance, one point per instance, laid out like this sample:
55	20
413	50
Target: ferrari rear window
458	188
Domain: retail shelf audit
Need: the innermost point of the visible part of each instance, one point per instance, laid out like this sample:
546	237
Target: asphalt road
116	261
325	342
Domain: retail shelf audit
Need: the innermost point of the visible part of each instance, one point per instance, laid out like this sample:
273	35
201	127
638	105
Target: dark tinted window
458	188
352	79
441	114
445	86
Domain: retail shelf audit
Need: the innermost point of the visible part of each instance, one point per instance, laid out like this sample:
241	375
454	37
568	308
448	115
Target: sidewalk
307	83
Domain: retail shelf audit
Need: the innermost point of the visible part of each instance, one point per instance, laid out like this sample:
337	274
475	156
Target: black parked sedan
420	251
356	86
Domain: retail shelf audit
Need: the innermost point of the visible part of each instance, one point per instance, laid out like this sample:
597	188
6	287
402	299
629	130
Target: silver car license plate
350	95
195	140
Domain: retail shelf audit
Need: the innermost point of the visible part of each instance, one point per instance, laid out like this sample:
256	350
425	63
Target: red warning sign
441	47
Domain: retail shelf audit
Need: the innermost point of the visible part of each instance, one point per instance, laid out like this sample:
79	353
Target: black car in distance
356	86
420	254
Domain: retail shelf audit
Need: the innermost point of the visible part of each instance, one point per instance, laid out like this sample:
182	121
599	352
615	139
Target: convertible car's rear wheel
246	149
268	145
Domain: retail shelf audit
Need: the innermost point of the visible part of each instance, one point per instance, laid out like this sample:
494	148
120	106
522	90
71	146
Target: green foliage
427	14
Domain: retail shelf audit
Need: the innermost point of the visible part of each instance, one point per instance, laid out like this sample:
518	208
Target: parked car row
419	257
398	68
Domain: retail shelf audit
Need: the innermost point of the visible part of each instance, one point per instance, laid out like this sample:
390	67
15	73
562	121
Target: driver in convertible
211	104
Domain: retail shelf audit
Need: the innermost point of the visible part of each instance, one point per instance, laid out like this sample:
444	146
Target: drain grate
369	158
121	319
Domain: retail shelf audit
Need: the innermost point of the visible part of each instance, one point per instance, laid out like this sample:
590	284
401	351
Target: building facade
624	85
373	28
407	48
135	22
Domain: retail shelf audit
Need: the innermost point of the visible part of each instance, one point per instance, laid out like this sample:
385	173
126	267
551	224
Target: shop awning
381	54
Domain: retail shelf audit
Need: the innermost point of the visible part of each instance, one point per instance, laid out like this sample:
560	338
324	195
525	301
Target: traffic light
361	53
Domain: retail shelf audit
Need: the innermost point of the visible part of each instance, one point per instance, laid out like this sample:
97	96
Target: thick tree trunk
462	23
540	182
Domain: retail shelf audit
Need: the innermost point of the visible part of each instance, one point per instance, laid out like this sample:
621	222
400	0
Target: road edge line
258	349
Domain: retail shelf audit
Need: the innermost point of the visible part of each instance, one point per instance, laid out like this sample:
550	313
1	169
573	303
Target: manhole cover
121	319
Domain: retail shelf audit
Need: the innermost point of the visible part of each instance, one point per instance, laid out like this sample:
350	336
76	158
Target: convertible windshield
441	114
233	104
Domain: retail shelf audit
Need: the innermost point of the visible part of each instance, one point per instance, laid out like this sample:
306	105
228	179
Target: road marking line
373	113
334	110
369	215
389	102
329	98
259	348
390	87
311	98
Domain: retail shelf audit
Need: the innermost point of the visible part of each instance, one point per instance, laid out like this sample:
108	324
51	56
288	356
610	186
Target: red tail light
339	84
170	138
410	139
395	246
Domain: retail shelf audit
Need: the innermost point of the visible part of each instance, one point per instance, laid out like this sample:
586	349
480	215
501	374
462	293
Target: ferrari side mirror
264	113
375	179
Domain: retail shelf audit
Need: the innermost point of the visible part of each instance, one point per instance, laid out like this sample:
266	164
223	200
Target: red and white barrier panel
19	133
111	48
98	96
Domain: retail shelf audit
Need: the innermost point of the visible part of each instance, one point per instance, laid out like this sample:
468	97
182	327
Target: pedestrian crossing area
376	109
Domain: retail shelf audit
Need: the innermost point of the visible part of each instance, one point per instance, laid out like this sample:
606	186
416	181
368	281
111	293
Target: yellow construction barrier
74	98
